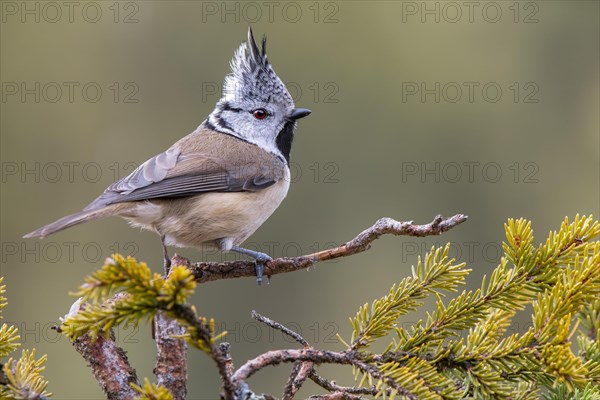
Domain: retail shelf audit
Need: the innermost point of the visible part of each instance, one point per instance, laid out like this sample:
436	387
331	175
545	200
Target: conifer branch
430	361
145	296
212	271
19	378
109	365
9	335
485	358
275	357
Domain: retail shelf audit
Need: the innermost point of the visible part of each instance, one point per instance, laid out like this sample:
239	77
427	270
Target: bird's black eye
260	113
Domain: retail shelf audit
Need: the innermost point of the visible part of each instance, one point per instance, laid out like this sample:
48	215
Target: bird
216	186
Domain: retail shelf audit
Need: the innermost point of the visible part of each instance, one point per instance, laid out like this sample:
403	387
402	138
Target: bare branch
301	370
108	361
112	370
110	366
225	349
275	357
171	357
336	396
314	356
210	271
187	314
335	388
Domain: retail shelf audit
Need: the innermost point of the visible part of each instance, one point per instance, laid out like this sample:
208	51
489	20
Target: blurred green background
419	108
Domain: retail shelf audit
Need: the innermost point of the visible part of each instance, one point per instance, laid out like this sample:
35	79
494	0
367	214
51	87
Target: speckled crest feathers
252	76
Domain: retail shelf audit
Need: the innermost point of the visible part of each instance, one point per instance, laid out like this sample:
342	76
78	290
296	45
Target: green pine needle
560	278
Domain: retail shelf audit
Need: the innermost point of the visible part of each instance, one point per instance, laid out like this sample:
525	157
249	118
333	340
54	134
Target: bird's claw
260	268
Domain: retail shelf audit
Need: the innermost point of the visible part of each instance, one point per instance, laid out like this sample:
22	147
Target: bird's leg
260	259
167	259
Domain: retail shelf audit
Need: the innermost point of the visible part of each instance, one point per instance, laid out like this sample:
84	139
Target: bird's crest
252	76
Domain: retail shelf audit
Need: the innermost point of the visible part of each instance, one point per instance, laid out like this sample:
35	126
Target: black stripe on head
226	106
209	125
222	124
285	138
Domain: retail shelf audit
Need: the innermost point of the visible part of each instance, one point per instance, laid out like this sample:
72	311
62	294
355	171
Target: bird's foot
260	262
260	259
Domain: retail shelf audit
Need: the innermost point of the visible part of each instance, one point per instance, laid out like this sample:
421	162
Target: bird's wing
176	173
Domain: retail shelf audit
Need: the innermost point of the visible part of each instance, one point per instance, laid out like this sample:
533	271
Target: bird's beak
299	113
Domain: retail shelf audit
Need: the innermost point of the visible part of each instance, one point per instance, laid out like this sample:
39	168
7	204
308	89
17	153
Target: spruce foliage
462	349
433	360
21	378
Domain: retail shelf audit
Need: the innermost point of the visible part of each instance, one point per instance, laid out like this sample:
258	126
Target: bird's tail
72	220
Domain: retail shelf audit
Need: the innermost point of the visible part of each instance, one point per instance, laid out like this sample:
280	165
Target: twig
335	388
336	396
300	370
211	271
171	356
280	327
298	376
225	349
276	357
